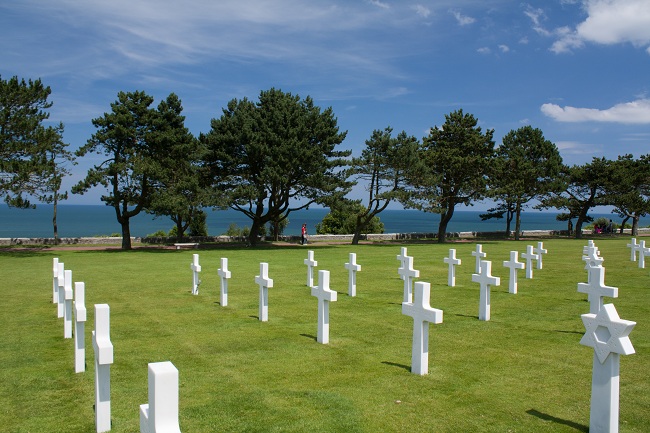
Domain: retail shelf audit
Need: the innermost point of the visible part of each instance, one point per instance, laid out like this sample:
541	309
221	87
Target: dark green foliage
384	168
29	151
630	189
584	187
454	165
343	220
269	158
178	191
126	137
526	166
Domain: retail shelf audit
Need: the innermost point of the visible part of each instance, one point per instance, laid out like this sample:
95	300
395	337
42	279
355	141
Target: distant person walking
303	240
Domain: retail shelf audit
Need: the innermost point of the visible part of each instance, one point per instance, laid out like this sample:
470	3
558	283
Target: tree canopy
26	144
383	168
125	137
454	165
274	156
526	166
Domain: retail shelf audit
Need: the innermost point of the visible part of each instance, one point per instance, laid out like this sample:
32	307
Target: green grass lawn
523	371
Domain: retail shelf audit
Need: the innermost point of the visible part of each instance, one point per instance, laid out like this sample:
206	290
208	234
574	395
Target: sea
99	220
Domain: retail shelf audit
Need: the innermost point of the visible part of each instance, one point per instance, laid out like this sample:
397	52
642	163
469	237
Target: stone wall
293	239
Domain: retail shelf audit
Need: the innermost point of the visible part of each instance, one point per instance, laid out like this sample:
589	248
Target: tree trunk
517	221
578	230
254	233
56	228
623	225
180	230
445	217
126	234
635	225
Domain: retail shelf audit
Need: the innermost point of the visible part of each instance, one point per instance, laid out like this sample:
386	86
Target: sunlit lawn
522	371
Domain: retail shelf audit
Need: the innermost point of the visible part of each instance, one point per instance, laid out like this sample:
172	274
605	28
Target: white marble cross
633	246
352	268
67	306
264	282
196	268
643	252
540	251
55	283
408	273
452	261
422	314
529	256
402	259
514	264
311	264
79	327
103	347
596	288
608	335
61	281
224	275
325	296
485	279
479	254
160	415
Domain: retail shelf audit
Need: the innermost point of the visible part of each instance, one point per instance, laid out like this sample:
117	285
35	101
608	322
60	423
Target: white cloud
577	148
379	4
463	20
421	10
504	48
484	50
635	112
609	22
536	16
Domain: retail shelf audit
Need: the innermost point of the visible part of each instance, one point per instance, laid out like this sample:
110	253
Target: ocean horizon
99	220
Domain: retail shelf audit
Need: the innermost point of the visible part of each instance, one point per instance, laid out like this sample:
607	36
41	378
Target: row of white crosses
421	309
608	335
161	414
641	249
71	307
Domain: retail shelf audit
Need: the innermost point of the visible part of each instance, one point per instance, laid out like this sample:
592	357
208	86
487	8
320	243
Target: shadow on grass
547	417
569	332
467	315
395	364
313	337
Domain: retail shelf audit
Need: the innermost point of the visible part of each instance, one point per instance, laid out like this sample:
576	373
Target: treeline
270	157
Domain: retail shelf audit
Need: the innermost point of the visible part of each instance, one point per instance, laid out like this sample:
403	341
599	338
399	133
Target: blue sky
578	70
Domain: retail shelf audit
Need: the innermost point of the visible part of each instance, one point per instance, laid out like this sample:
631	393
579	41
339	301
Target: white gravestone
311	264
264	282
608	334
633	246
67	305
529	256
591	259
325	296
61	281
79	327
643	252
513	264
452	261
402	259
596	288
422	315
55	282
103	359
352	268
540	251
160	415
479	254
224	275
196	268
485	279
408	273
